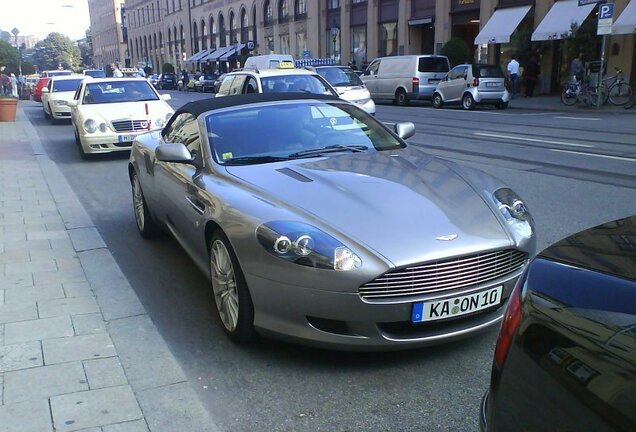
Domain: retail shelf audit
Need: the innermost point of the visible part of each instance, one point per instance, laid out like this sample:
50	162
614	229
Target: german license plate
456	306
126	138
433	81
492	84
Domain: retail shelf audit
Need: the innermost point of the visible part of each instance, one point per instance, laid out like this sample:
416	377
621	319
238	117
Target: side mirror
366	72
177	153
166	97
45	90
72	103
404	130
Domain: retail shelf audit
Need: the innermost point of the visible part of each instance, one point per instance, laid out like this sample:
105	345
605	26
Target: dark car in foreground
319	224
566	355
167	81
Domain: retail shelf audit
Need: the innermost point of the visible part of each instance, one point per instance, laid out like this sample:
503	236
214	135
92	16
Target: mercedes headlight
514	212
102	127
60	102
90	126
306	245
159	123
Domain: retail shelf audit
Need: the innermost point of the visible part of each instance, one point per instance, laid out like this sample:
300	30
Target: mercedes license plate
126	138
456	306
492	84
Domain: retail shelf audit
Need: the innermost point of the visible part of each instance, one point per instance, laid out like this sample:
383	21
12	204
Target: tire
468	103
620	94
83	154
401	98
231	295
145	223
46	115
569	97
437	101
77	138
501	105
51	117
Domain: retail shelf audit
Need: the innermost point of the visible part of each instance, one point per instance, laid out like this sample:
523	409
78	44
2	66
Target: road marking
512	137
595	155
493	112
577	118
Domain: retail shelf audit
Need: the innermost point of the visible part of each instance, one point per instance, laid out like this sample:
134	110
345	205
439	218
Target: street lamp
335	31
16	32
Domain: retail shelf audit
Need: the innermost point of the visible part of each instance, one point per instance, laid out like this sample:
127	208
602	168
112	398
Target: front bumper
106	142
61	112
345	321
368	106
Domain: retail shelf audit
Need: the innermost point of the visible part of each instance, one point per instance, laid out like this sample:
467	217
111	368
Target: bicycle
584	91
618	92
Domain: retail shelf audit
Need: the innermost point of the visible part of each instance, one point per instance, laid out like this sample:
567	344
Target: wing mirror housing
45	90
72	103
166	97
175	153
404	130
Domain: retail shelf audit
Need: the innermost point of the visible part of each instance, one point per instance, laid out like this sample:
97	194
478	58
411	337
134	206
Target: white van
405	78
267	61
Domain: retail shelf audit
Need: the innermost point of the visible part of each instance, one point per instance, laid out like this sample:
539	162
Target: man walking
513	75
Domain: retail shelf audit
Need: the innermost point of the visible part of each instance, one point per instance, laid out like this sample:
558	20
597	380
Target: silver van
405	78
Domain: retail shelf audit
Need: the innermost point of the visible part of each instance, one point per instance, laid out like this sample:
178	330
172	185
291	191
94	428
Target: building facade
357	31
107	32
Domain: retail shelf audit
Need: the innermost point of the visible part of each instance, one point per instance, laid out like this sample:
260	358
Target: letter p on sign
606	11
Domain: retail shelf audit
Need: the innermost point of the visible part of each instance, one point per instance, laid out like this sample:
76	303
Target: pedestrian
116	72
577	70
184	79
14	86
513	75
531	73
5	85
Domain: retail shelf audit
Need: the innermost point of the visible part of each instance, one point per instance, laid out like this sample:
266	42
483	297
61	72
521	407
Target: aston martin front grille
444	275
130	125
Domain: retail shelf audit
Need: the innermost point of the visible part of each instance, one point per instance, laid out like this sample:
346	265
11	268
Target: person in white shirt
117	73
513	75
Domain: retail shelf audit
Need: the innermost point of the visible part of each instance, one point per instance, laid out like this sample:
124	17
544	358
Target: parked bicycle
583	91
617	89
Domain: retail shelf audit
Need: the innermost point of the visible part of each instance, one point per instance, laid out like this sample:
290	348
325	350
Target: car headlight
103	127
159	123
306	245
362	101
60	102
168	116
90	126
514	211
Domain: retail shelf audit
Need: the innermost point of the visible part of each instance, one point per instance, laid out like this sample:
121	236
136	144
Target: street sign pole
604	27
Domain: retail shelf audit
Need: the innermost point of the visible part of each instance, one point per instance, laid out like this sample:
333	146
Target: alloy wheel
224	285
138	202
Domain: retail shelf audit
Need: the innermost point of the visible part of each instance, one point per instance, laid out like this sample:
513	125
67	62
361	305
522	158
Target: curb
163	392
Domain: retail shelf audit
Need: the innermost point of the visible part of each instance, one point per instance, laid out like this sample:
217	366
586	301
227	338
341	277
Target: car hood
354	94
126	111
401	204
64	96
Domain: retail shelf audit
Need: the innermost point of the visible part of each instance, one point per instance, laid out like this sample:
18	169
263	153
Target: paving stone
67	306
61	243
27	245
59	277
74	348
10	313
174	408
69	264
1	389
47	235
20	356
44	382
12	237
92	408
33	294
30	267
14	256
105	372
88	324
2	297
32	219
31	416
21	280
39	329
77	289
133	426
56	254
86	239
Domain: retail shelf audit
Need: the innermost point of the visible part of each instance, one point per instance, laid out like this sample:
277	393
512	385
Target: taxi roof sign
286	65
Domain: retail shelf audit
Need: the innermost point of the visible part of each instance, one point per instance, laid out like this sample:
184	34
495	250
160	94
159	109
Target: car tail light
510	323
416	84
475	82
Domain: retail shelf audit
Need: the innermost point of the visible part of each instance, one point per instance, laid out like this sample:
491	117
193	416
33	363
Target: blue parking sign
606	11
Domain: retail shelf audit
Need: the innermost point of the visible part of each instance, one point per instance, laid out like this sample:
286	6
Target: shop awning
626	22
557	24
210	55
216	55
196	56
501	25
235	49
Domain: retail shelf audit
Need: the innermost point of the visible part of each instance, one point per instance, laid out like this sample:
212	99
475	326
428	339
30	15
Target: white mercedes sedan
57	94
108	113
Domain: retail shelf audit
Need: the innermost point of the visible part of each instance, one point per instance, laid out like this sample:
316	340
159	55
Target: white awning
420	21
501	25
626	22
558	22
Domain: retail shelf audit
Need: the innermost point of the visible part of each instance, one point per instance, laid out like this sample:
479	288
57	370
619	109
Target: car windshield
294	130
95	73
487	71
294	84
58	73
66	85
340	76
118	91
209	77
433	64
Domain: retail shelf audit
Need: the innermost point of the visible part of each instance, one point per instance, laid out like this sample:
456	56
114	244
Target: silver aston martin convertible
318	224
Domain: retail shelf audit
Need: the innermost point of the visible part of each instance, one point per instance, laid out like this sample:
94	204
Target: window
212	33
232	28
283	11
195	37
222	39
184	130
373	68
237	84
244	26
358	44
300	9
301	44
251	86
268	16
284	44
433	64
387	39
333	4
224	90
457	72
358	1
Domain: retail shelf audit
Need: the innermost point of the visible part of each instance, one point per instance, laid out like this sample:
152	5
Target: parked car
37	92
205	83
109	113
167	81
285	80
153	80
55	72
566	354
348	85
57	94
95	73
405	78
189	85
267	61
472	85
320	225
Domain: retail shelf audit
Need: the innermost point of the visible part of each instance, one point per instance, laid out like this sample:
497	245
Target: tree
56	49
9	57
456	50
86	50
167	68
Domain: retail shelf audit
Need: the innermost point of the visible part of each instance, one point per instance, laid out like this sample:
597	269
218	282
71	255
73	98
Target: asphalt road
573	173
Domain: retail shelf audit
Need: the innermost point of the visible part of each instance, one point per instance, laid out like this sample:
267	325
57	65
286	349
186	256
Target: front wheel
231	295
620	93
468	103
437	101
569	96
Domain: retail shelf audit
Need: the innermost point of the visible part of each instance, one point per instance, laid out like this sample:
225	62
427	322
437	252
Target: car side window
251	86
224	90
457	72
78	92
373	68
172	133
237	84
189	131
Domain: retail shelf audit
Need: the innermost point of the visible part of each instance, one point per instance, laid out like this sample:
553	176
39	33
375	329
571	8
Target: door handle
196	204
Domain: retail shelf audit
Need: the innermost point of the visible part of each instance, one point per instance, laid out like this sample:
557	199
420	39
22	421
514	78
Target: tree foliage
457	51
9	57
56	49
86	50
167	68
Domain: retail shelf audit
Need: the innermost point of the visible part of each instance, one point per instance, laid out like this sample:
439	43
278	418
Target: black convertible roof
198	107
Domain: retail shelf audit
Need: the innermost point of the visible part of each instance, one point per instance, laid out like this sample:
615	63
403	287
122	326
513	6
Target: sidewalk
77	350
553	103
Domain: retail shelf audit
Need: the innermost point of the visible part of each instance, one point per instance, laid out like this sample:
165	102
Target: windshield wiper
252	160
329	149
